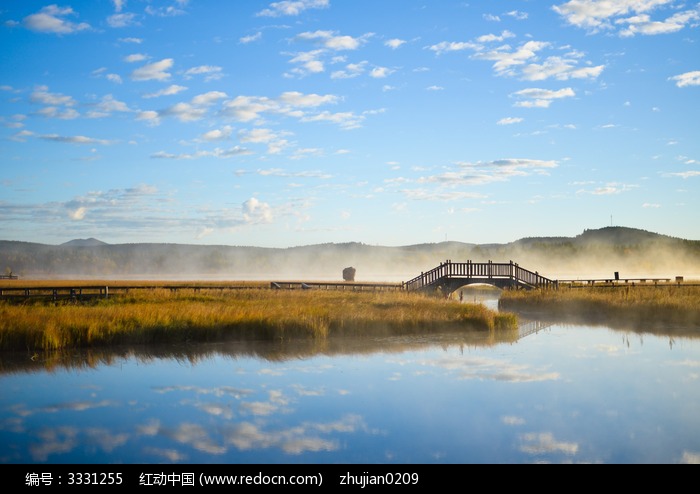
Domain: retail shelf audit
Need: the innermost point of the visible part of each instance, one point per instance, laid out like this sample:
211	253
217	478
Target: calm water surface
554	393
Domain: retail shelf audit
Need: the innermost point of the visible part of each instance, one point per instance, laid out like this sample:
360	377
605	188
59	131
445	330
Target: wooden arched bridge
449	276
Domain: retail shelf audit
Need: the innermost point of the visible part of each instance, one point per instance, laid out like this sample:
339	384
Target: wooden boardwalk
86	292
444	279
347	286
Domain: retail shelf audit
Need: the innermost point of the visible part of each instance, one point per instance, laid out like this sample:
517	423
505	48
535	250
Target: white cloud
690	458
599	15
216	153
309	62
521	61
346	120
490	38
561	69
381	72
168	91
248	108
184	112
439	195
313	62
61	114
332	41
205	233
394	43
595	14
207	99
306	152
74	139
50	19
466	174
292	103
448	46
156	71
22	135
541	443
150	117
122	20
518	15
642	24
684	175
168	11
77	214
506	60
605	191
135	57
218	134
292	7
541	98
275	141
107	106
251	38
351	70
609	189
687	79
509	121
57	105
255	211
42	95
297	99
212	72
115	78
196	109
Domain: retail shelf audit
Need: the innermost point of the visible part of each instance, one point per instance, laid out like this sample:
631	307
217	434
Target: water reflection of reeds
274	351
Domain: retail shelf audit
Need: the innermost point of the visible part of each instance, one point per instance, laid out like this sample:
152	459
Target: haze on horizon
595	254
293	123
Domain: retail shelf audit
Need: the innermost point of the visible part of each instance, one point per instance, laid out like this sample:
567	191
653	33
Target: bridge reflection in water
526	328
489	296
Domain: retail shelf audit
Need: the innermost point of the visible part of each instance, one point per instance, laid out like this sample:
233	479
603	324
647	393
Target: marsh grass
160	315
631	305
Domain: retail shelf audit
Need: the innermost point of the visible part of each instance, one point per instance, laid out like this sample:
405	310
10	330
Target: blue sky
386	122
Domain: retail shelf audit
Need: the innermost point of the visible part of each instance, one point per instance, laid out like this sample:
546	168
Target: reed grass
666	304
160	315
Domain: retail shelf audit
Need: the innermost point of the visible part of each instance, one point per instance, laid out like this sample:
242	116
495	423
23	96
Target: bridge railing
533	279
469	269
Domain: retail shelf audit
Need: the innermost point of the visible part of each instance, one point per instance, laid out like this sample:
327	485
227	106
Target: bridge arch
449	286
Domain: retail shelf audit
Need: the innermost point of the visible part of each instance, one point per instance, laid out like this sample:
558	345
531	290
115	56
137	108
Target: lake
557	393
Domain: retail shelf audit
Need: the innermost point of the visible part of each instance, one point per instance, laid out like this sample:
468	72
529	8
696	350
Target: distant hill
593	253
87	242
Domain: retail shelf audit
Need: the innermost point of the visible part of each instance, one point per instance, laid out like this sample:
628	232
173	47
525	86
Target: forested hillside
634	253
